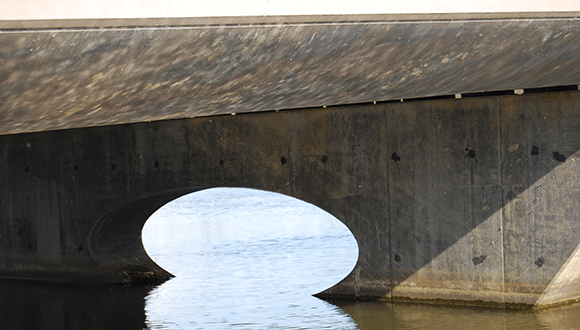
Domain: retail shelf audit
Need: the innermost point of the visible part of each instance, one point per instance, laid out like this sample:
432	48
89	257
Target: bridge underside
470	199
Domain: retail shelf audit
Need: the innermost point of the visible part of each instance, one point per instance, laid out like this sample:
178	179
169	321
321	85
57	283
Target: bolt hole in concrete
246	259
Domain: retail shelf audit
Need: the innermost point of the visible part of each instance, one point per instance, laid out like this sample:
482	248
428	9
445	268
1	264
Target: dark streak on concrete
470	153
395	157
558	156
478	260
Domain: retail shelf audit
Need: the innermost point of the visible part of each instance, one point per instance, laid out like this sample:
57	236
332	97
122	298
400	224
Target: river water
245	259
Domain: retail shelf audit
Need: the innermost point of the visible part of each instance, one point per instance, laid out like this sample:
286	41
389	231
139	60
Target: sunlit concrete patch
565	287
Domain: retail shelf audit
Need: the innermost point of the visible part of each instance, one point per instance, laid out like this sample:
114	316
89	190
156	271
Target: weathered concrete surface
471	200
78	77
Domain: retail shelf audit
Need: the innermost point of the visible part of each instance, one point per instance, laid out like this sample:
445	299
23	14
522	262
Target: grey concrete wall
470	200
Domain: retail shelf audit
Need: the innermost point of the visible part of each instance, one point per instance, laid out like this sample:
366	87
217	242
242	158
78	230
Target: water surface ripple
246	259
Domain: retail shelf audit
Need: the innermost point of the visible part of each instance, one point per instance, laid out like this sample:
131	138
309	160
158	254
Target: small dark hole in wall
470	153
76	167
324	159
283	160
397	258
221	162
80	249
540	262
478	260
558	156
535	151
156	164
113	167
395	157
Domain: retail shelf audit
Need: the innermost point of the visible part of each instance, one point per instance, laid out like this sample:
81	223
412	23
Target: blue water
246	259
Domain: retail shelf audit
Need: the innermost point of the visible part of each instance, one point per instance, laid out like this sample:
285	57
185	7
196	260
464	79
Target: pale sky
56	9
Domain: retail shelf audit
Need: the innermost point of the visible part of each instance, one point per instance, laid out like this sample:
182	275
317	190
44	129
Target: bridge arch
116	239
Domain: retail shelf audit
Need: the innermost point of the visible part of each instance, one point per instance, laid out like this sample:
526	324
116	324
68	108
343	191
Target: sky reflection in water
246	259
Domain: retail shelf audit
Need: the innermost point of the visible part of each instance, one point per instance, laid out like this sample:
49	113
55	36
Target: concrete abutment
471	200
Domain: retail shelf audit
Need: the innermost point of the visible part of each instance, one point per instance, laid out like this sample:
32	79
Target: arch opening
244	247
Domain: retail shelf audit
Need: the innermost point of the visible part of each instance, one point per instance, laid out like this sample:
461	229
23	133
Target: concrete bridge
448	144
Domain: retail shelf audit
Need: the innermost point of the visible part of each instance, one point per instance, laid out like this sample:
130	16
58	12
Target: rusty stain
513	147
